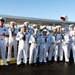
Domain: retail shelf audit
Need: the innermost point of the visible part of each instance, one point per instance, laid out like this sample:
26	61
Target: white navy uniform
70	47
53	47
33	49
72	40
27	44
3	43
30	30
12	42
59	44
43	48
21	47
65	41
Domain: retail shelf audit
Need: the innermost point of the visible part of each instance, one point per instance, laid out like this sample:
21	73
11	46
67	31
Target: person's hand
48	48
35	46
44	42
62	40
7	44
3	34
21	38
56	43
74	43
71	35
53	43
65	43
14	34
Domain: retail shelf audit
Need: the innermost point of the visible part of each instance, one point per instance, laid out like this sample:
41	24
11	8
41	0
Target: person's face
54	30
44	28
44	32
71	28
34	27
1	23
26	30
58	30
27	25
63	31
12	25
23	29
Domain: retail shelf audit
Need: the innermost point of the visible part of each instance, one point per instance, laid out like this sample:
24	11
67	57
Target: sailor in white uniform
12	41
73	45
33	48
22	37
44	28
44	45
28	28
71	32
59	39
3	33
65	41
27	42
53	45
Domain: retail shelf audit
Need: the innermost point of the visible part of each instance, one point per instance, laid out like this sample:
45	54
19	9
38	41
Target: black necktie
13	31
63	36
45	39
55	36
35	38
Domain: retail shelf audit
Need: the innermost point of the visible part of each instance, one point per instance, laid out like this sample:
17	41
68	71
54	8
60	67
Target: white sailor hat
43	27
2	19
54	28
63	29
58	26
12	22
71	25
23	25
44	30
26	23
34	25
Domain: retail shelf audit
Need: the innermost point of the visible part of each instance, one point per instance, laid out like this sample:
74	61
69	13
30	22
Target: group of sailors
35	44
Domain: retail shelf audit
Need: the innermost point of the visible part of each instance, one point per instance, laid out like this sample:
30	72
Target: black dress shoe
40	63
30	65
26	64
8	62
45	62
35	64
19	65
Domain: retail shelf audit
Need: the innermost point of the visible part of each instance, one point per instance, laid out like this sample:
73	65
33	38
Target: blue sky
48	9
